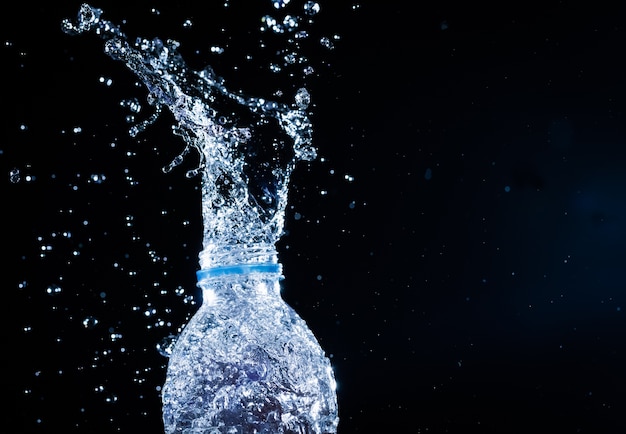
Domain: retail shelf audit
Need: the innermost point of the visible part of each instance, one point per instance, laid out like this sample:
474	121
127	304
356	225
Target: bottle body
247	363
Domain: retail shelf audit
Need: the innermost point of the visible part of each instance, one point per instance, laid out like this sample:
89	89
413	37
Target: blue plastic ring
226	270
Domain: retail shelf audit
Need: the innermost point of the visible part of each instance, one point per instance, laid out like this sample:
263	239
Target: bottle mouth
238	269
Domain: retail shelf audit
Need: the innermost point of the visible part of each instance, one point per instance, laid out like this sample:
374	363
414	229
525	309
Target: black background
458	248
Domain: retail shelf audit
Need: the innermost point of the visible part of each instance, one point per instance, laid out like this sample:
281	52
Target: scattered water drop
106	81
326	42
311	8
428	174
278	4
132	104
14	176
53	288
90	322
97	178
166	345
303	98
290	22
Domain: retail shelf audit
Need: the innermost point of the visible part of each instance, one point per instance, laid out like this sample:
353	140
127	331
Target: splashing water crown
245	159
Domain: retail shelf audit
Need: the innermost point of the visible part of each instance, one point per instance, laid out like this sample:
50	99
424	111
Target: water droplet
428	174
303	98
280	3
311	8
193	172
90	322
53	288
14	176
166	345
326	42
132	104
290	22
106	81
97	178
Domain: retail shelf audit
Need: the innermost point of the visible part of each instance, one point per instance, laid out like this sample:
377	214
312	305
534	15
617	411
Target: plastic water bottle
247	363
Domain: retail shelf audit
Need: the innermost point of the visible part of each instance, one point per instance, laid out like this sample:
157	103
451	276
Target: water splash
246	362
248	146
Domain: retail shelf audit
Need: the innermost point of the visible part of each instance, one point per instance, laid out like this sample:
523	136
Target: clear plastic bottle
247	363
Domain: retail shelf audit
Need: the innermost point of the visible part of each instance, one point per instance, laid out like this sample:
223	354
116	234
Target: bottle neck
223	285
265	269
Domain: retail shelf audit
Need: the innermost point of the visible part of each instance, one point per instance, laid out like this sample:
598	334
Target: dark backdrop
458	250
